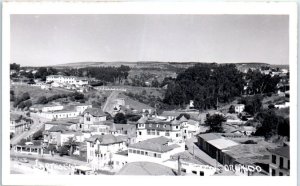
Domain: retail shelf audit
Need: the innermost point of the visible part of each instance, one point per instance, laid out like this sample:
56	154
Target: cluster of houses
154	140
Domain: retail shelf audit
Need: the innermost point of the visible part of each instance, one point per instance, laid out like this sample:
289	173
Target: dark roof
124	126
106	139
159	144
58	128
282	151
146	168
97	112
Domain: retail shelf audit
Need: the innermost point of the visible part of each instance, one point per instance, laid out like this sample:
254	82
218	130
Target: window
142	152
177	134
281	162
157	132
280	174
130	150
273	172
201	173
140	125
152	132
148	132
134	151
88	118
138	152
194	172
140	133
167	133
155	155
159	155
274	159
157	125
165	125
176	127
146	153
150	125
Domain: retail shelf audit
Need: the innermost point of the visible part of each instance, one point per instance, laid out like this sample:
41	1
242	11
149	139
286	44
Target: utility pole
179	166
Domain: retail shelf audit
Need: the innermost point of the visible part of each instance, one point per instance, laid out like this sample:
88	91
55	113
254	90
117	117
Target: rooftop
146	168
106	139
159	144
209	136
97	112
282	151
222	143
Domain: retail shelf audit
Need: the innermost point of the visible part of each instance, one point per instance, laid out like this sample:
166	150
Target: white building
100	148
72	80
155	150
60	114
154	127
46	108
239	108
90	117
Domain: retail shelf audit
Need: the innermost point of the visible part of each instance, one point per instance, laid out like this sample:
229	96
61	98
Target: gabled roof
96	112
159	144
106	139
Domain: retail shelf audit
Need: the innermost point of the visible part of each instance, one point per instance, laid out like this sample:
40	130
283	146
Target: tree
120	118
38	135
231	109
15	67
12	95
42	100
63	150
215	122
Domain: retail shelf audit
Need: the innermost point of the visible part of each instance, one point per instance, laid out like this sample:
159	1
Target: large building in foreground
280	161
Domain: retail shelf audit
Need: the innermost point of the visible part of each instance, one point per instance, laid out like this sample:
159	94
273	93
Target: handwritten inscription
240	168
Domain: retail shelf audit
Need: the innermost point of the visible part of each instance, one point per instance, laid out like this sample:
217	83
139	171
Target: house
280	161
148	127
81	107
214	144
46	108
146	169
17	124
190	128
64	80
91	116
189	165
239	108
101	147
127	130
59	114
156	150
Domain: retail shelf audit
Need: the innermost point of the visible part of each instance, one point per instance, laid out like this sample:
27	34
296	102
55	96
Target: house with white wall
67	80
151	127
157	150
100	148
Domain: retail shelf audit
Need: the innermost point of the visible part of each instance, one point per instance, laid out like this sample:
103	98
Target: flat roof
222	143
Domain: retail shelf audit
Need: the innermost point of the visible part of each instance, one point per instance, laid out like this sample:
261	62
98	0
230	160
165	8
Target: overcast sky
38	40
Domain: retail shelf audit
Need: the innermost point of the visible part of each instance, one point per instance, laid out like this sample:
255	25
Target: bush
38	135
64	150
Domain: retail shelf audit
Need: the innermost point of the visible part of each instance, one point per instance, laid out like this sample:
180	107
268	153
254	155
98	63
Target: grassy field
36	92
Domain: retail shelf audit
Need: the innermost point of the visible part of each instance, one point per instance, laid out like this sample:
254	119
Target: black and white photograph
160	94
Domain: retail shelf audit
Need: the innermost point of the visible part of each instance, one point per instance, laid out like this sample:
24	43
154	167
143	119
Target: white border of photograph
147	8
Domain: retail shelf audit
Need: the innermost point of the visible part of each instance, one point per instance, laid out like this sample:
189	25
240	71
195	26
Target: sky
40	40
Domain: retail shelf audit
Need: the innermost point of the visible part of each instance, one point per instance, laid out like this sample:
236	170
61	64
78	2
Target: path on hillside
108	106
